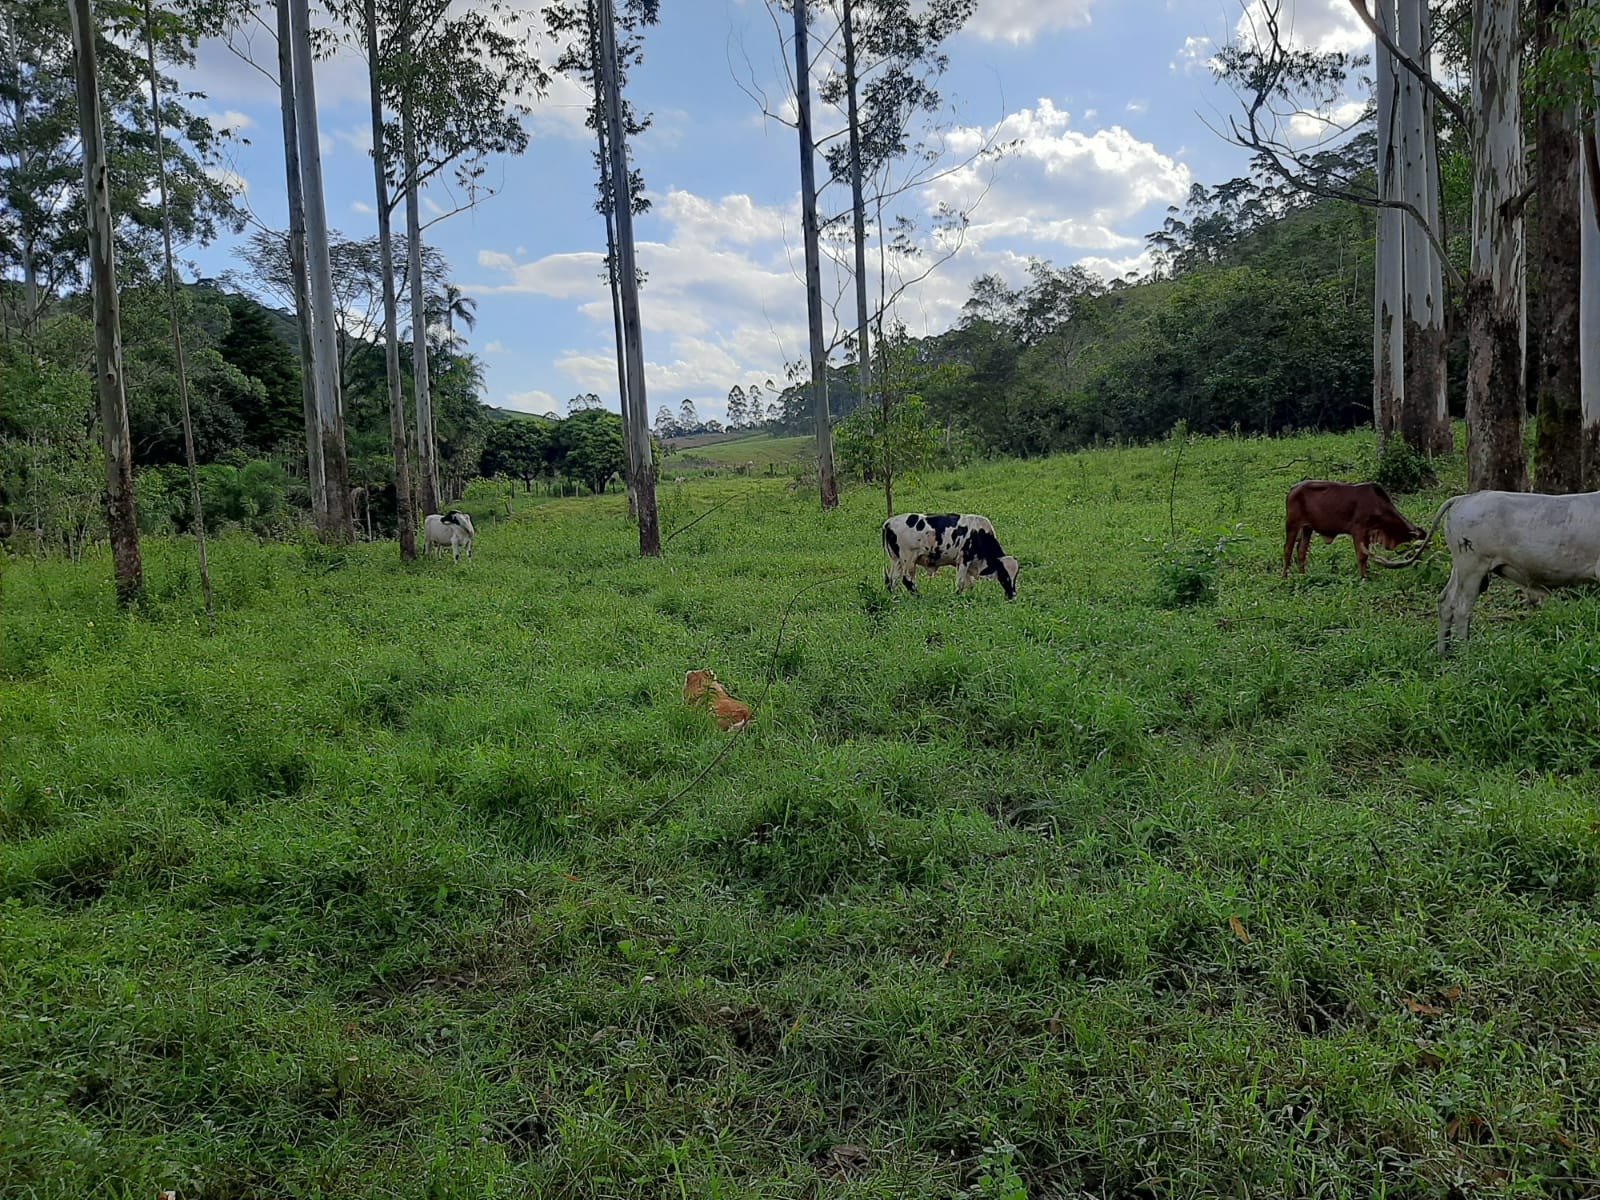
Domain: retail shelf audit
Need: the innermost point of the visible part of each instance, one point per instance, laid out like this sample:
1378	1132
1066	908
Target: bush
1186	572
1401	469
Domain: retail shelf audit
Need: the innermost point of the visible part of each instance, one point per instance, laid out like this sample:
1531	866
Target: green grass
387	890
764	451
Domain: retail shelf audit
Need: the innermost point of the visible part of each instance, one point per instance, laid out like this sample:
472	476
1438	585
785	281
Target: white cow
1537	542
454	529
966	542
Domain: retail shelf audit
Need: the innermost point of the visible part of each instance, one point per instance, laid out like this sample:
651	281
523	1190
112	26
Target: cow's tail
1411	560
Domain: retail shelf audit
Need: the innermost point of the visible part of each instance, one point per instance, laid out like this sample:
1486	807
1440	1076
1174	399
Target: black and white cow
966	542
454	530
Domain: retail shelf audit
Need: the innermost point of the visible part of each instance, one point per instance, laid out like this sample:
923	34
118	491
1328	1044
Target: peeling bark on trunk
337	524
1496	299
1424	408
827	485
633	334
405	519
316	476
1388	339
1589	305
121	519
1559	448
427	439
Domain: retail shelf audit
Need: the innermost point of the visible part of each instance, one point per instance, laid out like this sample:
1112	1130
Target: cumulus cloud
495	347
724	302
362	209
1194	55
1061	188
1021	21
1137	107
1323	25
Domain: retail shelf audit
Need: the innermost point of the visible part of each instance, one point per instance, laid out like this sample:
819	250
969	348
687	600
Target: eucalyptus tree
120	515
890	57
577	28
628	280
459	83
172	310
1496	298
405	519
1589	289
330	490
1278	82
827	484
43	232
1559	64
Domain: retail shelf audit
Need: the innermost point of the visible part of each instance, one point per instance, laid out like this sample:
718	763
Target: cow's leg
1290	533
1447	606
1305	547
1361	556
1466	597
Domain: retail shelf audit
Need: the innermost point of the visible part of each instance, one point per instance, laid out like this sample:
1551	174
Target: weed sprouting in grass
421	880
1186	571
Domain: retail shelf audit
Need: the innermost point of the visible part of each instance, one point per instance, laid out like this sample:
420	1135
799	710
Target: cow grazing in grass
1362	510
454	530
966	542
1537	542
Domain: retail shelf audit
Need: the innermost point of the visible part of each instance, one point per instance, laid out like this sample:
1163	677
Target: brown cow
1363	510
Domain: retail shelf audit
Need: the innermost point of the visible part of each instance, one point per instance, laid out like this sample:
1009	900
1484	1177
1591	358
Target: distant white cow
454	529
1537	542
966	542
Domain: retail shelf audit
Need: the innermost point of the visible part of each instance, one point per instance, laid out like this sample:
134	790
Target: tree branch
1409	63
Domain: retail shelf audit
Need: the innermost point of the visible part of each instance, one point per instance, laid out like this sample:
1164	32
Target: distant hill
511	414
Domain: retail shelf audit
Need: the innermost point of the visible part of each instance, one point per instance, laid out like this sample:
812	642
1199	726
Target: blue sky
1108	103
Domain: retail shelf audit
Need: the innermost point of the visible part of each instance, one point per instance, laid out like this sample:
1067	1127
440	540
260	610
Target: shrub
1186	572
1401	469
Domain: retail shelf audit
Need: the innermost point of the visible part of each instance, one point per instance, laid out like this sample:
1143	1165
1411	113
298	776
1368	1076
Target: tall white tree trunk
337	523
405	521
1388	335
1424	411
316	476
427	443
826	482
1496	296
1589	305
121	519
607	201
628	280
172	311
858	214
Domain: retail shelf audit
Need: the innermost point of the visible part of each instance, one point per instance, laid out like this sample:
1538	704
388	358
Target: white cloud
1308	127
1061	188
363	209
232	180
1021	21
1137	107
1196	54
1323	25
496	346
533	401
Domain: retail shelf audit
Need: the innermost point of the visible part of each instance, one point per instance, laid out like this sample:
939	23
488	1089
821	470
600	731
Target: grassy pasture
388	890
732	452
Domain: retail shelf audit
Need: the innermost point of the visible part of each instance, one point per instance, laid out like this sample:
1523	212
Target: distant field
421	881
759	449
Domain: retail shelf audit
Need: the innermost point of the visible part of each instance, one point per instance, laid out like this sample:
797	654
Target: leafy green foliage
1186	570
51	472
1401	470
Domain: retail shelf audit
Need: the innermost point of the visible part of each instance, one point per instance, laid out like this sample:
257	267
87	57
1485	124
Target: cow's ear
1011	565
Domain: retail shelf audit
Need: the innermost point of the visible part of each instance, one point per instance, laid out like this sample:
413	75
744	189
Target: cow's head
1006	571
1396	531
